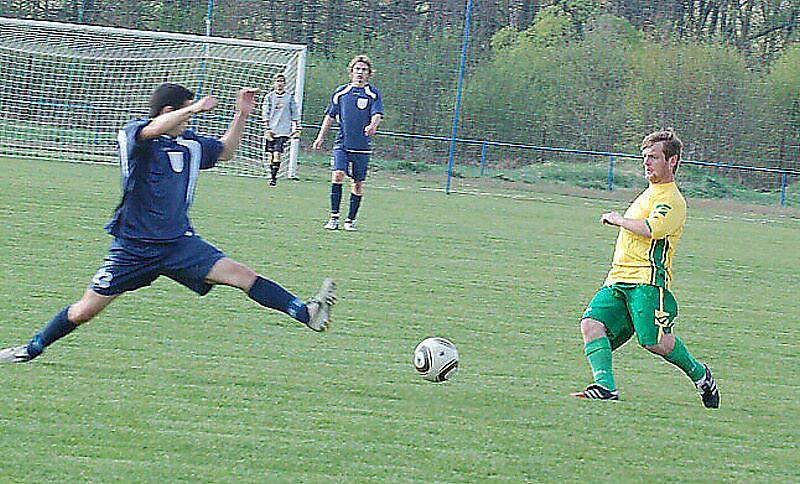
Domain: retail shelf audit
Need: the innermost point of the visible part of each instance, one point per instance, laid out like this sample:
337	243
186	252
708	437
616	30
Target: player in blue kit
358	108
160	160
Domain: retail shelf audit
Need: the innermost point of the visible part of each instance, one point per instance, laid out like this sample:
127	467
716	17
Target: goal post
67	89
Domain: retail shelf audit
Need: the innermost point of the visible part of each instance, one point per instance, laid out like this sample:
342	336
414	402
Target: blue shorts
354	164
131	264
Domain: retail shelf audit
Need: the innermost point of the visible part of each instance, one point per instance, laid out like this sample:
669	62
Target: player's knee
657	349
243	276
337	176
358	188
592	329
81	312
663	347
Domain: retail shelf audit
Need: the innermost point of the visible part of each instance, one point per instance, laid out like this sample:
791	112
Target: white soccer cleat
333	224
319	306
350	226
17	354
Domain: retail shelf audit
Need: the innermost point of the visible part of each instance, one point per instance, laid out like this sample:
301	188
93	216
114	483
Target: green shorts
626	308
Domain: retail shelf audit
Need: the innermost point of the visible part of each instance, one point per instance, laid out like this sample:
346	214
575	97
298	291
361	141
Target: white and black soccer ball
436	359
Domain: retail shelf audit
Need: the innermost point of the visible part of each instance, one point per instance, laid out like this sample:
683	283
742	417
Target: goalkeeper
281	122
160	160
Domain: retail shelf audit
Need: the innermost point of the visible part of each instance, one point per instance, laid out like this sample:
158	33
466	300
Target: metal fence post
458	95
610	177
483	157
783	188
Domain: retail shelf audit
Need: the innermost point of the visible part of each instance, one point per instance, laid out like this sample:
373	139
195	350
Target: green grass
168	387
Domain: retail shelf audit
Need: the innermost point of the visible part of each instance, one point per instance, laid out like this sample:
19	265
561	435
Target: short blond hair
360	58
671	145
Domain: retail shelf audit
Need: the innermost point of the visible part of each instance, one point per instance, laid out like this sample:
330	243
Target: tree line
588	74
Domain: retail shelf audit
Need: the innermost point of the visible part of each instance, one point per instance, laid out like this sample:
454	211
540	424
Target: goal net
65	90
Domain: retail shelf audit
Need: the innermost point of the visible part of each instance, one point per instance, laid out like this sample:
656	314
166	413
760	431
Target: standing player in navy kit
160	160
358	108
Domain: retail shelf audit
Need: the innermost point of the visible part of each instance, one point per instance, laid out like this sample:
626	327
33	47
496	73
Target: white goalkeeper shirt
279	111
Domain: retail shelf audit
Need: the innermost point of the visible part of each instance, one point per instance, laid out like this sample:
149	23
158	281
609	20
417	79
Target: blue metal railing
611	155
485	144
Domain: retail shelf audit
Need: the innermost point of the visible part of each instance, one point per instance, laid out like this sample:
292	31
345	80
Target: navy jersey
353	108
158	180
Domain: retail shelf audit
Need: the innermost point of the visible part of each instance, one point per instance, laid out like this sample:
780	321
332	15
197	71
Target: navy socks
355	202
57	328
336	197
272	295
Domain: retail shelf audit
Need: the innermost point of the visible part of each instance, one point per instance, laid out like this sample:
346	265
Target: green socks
598	352
681	358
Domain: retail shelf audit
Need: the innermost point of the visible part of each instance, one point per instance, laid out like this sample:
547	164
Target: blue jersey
158	180
353	108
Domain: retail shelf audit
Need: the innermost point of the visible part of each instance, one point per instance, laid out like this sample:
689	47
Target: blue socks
336	197
355	202
57	328
271	295
336	201
264	292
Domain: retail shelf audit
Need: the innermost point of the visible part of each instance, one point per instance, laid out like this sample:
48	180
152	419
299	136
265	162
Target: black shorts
276	145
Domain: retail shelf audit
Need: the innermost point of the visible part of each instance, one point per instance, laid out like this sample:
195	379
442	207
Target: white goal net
65	90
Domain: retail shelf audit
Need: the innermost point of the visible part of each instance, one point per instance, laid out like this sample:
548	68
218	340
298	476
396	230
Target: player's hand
245	100
611	218
370	130
205	104
317	144
296	133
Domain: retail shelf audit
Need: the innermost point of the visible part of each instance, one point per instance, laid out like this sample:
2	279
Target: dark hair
279	76
169	94
671	145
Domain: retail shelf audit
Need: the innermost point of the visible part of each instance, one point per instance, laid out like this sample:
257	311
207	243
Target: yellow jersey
643	260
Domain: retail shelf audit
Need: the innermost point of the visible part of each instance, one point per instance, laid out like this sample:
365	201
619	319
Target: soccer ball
436	359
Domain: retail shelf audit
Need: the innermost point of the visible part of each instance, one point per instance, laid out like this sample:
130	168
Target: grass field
167	387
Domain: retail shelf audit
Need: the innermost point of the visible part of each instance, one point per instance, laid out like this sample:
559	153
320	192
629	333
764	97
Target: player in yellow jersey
636	296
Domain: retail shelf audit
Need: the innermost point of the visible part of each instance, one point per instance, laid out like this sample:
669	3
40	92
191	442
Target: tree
782	91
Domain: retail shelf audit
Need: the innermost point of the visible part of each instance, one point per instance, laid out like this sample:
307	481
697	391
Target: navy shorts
132	264
354	164
277	144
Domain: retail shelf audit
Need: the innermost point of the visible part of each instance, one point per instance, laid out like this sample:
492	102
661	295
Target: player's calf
274	166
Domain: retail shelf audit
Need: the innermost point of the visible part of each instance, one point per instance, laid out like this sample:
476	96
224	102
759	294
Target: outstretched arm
245	102
327	121
166	122
636	226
